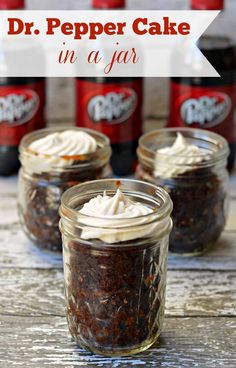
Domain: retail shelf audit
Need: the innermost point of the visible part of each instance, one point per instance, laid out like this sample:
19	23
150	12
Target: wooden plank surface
32	292
17	251
184	343
200	324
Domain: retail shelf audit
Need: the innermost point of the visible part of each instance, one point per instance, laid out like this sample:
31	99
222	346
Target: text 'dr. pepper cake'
53	161
115	242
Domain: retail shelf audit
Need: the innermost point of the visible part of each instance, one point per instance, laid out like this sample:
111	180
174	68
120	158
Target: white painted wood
204	293
231	223
61	100
221	257
17	251
232	186
33	292
8	208
184	343
8	187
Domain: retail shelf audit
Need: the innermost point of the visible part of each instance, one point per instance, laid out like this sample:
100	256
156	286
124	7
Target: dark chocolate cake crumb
199	215
115	296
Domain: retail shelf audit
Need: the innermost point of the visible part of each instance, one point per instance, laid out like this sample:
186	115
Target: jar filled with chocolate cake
54	160
115	244
191	165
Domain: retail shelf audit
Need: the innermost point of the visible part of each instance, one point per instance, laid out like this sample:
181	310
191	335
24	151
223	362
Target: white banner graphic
103	43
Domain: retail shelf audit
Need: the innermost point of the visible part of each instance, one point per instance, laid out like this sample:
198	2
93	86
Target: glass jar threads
54	160
115	244
191	165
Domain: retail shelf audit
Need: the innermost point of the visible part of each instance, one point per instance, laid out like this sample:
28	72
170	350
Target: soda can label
114	109
21	111
108	4
207	4
11	4
209	108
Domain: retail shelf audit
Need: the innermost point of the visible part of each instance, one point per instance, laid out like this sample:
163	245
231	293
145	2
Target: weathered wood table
200	324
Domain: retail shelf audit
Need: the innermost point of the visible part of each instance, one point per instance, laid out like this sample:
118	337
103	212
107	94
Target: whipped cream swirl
117	219
54	150
179	158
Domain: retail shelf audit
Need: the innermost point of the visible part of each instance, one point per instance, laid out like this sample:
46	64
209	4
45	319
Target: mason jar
44	178
115	268
197	187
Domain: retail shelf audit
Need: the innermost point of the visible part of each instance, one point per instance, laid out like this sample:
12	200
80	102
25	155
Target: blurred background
61	96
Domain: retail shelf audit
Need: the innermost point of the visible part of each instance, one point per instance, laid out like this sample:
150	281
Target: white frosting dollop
51	150
179	158
117	219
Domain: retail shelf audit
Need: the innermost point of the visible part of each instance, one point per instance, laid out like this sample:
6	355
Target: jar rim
102	153
220	153
66	210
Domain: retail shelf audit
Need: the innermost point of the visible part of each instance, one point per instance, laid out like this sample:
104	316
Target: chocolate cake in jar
115	245
191	165
54	160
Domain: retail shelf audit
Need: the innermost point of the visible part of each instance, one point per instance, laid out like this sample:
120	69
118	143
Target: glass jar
198	191
41	184
115	293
